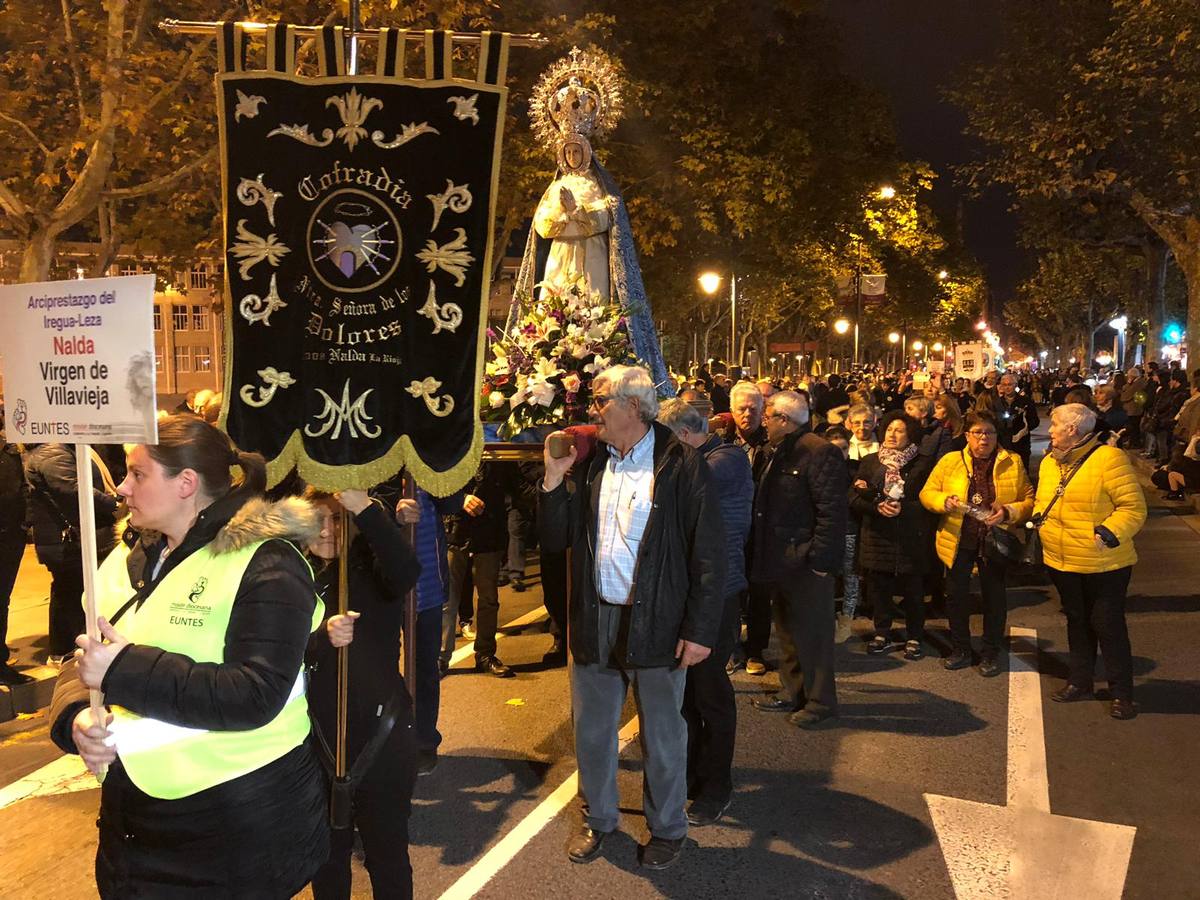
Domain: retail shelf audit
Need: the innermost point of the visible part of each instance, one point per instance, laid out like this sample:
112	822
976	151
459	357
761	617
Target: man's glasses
974	432
599	401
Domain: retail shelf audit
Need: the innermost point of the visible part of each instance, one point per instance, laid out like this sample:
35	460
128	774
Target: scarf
893	461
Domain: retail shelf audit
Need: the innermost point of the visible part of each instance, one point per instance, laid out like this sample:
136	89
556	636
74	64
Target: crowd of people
695	526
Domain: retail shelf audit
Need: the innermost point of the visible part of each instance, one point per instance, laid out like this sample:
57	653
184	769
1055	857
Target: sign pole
410	609
343	654
87	540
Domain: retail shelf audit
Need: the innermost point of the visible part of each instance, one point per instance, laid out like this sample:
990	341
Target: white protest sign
969	361
78	361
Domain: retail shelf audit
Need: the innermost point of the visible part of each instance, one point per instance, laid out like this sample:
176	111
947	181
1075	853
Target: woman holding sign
212	787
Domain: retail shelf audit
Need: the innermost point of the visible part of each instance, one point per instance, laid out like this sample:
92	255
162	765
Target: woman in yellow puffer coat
1087	544
992	482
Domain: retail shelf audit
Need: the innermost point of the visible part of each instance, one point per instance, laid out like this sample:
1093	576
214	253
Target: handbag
1001	545
1032	554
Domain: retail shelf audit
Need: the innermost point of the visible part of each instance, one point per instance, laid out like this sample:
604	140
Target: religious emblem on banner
358	214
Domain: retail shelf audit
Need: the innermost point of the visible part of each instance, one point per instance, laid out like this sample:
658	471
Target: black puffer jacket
680	577
800	510
897	545
54	505
383	569
488	531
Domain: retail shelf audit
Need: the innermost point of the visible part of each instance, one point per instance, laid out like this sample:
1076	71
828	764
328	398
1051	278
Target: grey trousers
804	623
598	692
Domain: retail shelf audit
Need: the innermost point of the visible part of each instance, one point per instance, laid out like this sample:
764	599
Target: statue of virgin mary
580	227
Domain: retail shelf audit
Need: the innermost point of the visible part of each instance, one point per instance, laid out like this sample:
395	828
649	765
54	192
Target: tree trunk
1181	233
39	253
1189	263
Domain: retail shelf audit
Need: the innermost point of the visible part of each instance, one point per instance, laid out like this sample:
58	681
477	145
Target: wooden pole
343	656
87	540
410	608
208	30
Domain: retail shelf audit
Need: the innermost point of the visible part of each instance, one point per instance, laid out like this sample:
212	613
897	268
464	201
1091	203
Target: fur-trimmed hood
290	519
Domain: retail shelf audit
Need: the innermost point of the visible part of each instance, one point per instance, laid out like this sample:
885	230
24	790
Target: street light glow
943	275
917	345
710	282
1120	323
887	192
937	347
1044	354
841	326
981	325
894	337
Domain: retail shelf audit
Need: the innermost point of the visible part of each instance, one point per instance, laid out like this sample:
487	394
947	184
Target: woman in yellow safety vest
212	786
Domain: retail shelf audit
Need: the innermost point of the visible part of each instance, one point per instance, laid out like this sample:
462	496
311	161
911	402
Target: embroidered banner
358	244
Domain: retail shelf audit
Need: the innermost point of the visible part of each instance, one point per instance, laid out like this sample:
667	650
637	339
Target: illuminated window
179	316
183	359
198	277
202	358
199	317
157	317
158	360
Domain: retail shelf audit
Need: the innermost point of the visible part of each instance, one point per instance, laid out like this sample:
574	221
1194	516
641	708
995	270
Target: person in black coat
893	548
383	569
249	819
800	526
54	515
664	522
12	542
1017	417
477	542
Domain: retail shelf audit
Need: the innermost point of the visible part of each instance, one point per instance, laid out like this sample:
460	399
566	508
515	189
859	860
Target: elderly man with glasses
975	490
643	505
800	538
1016	416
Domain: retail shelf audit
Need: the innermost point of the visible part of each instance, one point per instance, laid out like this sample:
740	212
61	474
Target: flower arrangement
541	371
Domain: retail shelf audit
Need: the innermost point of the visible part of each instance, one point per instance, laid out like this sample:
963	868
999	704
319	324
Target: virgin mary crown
578	95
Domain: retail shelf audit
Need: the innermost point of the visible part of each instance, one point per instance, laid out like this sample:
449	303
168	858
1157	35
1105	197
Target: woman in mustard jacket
991	482
1087	543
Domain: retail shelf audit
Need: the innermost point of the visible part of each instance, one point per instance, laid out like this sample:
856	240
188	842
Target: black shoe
518	584
502	579
1175	496
443	666
707	810
660	853
913	651
734	664
11	677
811	718
584	845
959	659
427	761
1071	693
773	703
1122	709
989	666
880	644
493	666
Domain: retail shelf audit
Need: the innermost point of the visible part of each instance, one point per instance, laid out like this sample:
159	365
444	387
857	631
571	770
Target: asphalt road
837	813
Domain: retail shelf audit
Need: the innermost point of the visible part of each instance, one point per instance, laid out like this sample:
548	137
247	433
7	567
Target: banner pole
343	656
87	541
409	640
355	27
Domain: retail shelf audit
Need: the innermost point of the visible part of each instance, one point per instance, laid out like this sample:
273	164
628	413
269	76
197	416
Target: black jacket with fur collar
264	643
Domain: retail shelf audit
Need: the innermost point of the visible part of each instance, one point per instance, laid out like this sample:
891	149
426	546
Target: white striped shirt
626	492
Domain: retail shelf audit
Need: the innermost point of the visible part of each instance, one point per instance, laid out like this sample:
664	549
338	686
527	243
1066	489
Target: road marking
476	878
62	776
1021	849
532	617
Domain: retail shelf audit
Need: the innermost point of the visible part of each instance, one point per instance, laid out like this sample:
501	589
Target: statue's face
573	154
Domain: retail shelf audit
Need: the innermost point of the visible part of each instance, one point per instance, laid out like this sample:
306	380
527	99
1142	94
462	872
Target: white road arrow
1022	850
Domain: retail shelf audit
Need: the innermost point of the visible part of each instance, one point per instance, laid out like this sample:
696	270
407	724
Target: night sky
909	49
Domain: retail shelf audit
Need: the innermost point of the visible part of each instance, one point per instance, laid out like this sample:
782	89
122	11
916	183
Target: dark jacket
1013	418
53	506
677	588
800	511
12	488
1167	404
488	531
383	569
735	492
940	440
274	815
899	545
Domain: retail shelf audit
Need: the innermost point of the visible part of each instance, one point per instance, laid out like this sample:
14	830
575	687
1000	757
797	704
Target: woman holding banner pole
212	787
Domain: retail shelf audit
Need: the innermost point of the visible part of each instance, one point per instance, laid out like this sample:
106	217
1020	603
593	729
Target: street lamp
887	192
981	325
943	275
937	347
710	283
841	326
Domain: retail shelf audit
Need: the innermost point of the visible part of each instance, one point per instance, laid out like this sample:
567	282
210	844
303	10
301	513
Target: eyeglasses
974	432
599	401
781	416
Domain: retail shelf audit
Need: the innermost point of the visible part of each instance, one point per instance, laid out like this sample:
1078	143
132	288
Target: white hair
678	414
746	387
921	403
860	409
629	383
792	405
1082	417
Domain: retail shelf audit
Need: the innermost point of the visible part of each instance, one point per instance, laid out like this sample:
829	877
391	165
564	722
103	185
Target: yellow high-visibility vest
188	612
